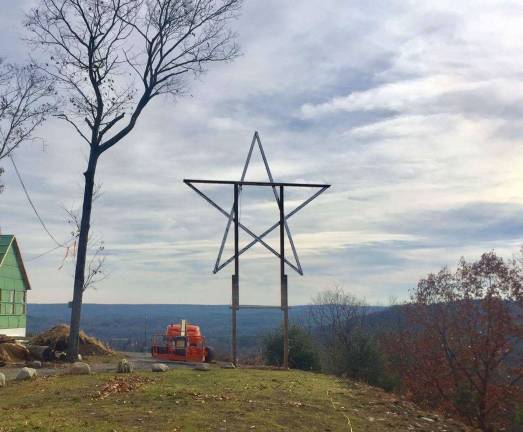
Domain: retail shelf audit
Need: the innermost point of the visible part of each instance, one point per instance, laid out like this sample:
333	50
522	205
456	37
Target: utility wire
58	244
43	254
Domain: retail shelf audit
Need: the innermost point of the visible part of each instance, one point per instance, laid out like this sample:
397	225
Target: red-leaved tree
462	348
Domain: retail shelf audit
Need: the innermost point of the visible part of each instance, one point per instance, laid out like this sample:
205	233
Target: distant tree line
456	346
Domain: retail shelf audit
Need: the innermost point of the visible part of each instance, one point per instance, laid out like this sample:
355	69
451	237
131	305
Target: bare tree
335	317
113	57
24	105
349	346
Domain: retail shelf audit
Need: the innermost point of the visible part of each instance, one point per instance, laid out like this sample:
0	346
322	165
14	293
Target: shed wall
12	294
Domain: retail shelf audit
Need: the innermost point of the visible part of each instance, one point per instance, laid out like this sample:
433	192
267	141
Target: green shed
13	288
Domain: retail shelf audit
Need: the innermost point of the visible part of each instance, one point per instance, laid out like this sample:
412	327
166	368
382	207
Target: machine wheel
209	354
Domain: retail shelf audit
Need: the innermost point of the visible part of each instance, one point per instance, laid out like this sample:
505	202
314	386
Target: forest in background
129	327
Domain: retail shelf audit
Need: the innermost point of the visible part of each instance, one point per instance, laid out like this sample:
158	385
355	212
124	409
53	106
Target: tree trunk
79	275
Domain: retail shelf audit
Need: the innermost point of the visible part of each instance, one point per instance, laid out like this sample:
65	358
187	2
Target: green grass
218	400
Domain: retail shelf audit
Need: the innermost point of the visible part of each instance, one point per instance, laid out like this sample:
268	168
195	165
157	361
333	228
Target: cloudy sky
412	110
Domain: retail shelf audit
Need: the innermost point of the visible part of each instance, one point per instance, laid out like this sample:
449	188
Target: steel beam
283	282
272	228
251	183
247	230
259	307
228	226
236	278
271	179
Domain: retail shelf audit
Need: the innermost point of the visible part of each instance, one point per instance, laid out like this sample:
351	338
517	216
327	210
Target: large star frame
230	215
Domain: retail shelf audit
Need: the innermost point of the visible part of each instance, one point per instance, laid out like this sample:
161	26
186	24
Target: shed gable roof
7	241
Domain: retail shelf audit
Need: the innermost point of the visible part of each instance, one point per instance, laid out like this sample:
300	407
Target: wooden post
283	282
236	277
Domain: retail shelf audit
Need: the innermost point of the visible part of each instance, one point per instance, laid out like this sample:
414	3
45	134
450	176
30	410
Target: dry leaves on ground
121	385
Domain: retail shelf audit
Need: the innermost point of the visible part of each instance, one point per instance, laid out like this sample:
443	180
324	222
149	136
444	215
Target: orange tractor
181	342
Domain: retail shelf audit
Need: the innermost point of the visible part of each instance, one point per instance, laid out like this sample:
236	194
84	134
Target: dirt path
141	361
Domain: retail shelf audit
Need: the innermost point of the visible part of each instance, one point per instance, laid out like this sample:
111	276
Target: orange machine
181	342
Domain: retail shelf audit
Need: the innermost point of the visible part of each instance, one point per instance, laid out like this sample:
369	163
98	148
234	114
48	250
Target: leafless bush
335	317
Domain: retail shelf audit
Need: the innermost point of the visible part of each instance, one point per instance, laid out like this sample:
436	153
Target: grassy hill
217	400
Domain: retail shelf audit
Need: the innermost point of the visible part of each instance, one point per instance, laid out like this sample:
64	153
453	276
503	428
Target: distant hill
128	327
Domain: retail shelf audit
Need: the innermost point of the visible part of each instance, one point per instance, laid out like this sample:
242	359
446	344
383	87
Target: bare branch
78	130
25	103
95	271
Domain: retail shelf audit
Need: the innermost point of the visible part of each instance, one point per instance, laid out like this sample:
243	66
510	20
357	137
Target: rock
60	356
159	367
202	367
80	368
2	380
124	366
227	365
26	374
35	364
40	352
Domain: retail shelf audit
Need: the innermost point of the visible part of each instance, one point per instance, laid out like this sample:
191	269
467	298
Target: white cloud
406	95
405	107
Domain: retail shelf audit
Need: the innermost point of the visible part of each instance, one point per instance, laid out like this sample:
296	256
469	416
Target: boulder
202	367
124	366
60	356
35	364
80	368
41	352
26	374
159	367
227	365
2	380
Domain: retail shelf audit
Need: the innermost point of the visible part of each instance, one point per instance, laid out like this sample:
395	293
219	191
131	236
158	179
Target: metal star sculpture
230	214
